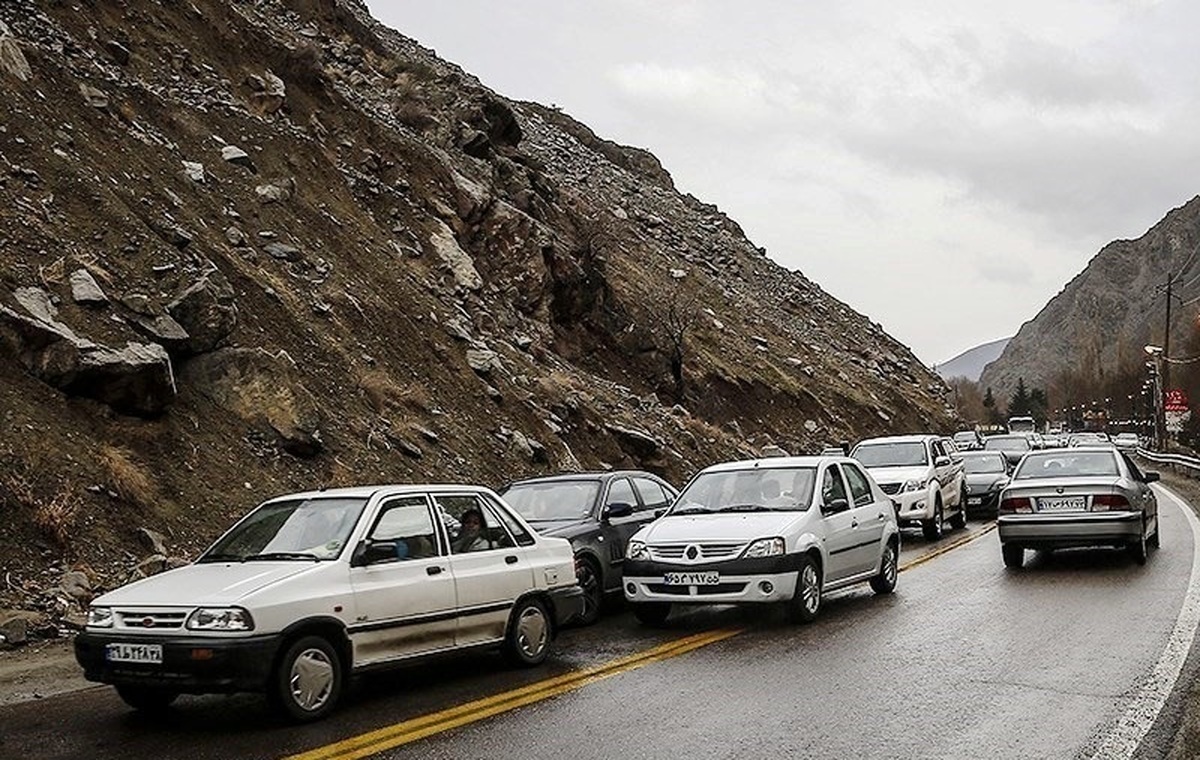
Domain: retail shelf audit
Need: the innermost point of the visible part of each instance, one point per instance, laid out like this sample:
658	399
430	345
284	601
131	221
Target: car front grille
719	588
150	619
890	488
707	551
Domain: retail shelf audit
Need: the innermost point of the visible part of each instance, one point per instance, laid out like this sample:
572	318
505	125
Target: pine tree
1018	405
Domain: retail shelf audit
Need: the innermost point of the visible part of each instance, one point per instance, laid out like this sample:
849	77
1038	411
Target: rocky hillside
1094	330
253	247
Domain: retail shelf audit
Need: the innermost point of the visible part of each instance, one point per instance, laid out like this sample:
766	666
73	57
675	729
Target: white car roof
776	462
920	438
366	492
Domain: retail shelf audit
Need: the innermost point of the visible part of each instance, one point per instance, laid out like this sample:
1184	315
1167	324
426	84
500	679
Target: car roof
915	438
585	475
777	462
983	453
366	492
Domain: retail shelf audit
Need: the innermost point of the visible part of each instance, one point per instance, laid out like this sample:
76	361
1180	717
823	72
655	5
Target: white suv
924	476
312	587
784	530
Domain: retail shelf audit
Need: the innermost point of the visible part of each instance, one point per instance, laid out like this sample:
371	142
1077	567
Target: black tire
1138	549
1152	541
593	591
527	642
936	528
1014	556
960	517
308	680
652	614
147	699
806	602
885	581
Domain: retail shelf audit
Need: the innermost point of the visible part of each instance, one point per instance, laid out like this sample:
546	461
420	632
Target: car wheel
651	613
147	699
593	591
528	640
1014	556
960	517
308	682
885	582
807	601
1137	549
935	528
1153	540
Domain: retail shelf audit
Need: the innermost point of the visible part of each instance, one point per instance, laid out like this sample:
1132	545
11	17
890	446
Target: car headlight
914	485
220	619
637	551
100	617
764	547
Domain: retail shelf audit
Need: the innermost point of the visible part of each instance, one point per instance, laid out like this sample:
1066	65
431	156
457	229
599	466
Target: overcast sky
902	154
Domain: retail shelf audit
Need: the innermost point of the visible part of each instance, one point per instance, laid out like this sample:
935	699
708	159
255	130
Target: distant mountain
970	363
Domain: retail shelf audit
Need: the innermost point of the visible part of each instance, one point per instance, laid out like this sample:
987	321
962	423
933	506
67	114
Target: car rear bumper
753	581
193	665
567	603
1067	530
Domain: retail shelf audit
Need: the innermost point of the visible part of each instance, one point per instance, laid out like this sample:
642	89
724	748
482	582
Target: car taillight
1106	501
1016	504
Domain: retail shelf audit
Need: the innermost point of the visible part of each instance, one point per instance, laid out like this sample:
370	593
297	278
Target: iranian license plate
692	579
1062	504
122	652
974	499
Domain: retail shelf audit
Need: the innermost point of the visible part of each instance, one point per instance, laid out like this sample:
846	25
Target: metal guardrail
1190	464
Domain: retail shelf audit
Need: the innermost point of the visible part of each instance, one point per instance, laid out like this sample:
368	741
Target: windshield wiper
220	558
746	508
691	511
282	555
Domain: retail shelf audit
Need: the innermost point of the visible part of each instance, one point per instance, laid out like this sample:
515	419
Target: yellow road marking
390	737
408	731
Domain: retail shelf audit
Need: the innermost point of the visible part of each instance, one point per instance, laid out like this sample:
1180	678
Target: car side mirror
1151	477
369	552
834	506
618	509
941	461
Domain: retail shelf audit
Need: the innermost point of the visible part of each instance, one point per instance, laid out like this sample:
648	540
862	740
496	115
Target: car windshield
762	489
292	529
1007	443
1067	464
910	454
964	438
979	465
557	500
1132	437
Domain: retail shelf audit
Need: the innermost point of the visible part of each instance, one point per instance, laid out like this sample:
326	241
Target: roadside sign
1175	400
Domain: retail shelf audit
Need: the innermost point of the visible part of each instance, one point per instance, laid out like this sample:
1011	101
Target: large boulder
207	310
262	390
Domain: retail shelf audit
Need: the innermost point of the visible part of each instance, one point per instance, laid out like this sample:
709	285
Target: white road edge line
1125	736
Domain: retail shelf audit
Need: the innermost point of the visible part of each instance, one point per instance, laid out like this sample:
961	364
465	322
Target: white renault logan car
779	530
312	587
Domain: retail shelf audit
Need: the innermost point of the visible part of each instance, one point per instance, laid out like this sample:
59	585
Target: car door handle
881	517
433	570
511	559
854	524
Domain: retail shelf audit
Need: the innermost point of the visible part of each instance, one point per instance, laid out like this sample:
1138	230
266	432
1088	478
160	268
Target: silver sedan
1077	497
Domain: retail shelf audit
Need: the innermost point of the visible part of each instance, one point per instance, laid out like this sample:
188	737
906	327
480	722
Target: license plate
121	652
1063	504
692	579
974	499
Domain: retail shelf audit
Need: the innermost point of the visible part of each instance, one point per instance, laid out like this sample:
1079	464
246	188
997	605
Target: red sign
1175	400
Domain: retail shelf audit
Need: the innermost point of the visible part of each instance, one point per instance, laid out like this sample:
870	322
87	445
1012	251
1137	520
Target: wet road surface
967	658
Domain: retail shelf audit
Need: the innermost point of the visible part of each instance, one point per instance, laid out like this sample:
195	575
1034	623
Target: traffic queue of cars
309	589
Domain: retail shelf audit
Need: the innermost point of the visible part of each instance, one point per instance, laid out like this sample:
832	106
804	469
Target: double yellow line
390	737
393	736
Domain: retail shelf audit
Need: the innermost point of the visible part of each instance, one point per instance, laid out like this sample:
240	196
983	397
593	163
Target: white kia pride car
310	588
781	530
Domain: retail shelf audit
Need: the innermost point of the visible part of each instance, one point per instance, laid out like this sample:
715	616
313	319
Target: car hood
561	528
745	526
986	479
898	474
213	583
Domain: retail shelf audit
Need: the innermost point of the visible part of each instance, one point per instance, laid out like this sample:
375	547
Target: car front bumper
756	581
912	506
1062	530
983	502
193	664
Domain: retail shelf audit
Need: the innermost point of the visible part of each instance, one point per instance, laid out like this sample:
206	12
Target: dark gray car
987	475
597	512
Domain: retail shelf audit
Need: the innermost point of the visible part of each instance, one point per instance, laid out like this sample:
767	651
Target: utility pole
1166	352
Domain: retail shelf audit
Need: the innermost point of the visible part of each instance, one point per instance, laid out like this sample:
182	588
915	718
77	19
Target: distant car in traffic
921	476
968	440
1013	446
310	588
1127	442
987	475
1084	496
597	512
779	530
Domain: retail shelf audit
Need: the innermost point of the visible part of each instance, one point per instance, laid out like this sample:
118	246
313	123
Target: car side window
514	528
859	486
938	451
408	524
620	492
653	495
833	490
472	525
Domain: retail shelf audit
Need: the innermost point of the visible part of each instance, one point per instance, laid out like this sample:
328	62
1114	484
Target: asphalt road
966	659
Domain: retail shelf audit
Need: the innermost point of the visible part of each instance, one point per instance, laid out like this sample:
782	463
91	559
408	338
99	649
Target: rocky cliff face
1095	329
253	247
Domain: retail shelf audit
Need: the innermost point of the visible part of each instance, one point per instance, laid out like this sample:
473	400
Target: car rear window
1067	464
